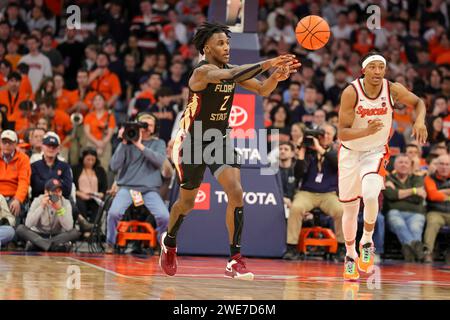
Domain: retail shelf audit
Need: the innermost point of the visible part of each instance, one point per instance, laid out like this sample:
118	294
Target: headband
375	57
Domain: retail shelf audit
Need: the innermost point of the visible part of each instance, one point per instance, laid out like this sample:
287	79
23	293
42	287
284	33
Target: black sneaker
291	254
408	253
62	247
29	247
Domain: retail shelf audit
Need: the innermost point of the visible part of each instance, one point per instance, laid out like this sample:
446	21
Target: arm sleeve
433	193
156	154
299	169
24	179
118	158
66	181
390	193
34	213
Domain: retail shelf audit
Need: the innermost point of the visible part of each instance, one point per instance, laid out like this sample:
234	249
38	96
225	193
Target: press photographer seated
316	168
138	161
49	224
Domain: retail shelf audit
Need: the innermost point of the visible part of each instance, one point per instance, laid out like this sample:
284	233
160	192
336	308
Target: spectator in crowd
11	96
279	116
435	130
53	54
71	50
176	81
83	96
46	89
99	127
14	20
139	177
49	223
13	55
50	167
316	167
59	122
287	163
404	200
63	97
282	30
437	186
163	110
414	153
7	223
147	26
118	24
146	97
104	81
333	94
36	138
319	119
308	106
39	64
90	53
15	172
90	182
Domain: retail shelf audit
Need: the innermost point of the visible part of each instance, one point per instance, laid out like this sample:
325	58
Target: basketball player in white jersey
365	124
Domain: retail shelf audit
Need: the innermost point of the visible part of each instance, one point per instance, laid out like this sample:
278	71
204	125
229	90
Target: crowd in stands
65	92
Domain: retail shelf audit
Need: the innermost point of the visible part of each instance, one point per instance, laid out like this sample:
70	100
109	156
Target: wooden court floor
121	277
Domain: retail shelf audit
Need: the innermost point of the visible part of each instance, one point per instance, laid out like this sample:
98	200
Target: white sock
366	237
350	226
351	251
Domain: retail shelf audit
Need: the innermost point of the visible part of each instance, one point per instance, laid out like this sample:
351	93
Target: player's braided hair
205	32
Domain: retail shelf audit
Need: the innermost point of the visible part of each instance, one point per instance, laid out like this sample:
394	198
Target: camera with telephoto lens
131	130
53	198
308	142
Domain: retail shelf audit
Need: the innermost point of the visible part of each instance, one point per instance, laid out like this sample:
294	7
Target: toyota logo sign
238	116
242	116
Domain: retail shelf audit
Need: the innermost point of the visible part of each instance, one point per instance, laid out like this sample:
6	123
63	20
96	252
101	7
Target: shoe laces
350	266
367	251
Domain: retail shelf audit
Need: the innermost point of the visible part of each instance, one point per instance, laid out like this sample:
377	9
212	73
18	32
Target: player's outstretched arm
210	73
347	116
401	94
265	88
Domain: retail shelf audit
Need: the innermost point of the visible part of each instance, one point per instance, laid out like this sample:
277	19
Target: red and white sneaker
237	269
168	258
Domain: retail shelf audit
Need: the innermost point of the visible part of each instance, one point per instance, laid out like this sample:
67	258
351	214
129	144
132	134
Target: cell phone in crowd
53	198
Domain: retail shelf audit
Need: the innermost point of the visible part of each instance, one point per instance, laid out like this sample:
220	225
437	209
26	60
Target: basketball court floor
55	276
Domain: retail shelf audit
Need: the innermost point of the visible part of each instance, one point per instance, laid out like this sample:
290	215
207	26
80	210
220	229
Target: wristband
414	190
60	212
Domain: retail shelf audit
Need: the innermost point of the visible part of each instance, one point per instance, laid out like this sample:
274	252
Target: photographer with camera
316	168
7	222
49	224
138	161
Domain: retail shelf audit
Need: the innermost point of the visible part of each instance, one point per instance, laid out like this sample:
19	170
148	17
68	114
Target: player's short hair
206	30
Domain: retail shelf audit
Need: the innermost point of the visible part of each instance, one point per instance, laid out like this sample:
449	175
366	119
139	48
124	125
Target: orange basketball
312	32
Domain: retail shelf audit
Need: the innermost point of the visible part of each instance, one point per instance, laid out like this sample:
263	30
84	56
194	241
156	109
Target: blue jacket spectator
50	167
